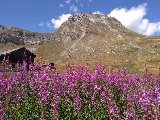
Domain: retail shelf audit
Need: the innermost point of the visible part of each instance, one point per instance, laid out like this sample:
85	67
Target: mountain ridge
89	38
21	36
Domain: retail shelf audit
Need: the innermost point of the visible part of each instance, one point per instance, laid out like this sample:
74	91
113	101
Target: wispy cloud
46	24
75	5
41	24
61	5
67	1
73	8
134	19
62	18
98	12
49	25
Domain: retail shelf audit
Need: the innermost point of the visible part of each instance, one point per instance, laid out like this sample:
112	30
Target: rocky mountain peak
81	24
76	27
77	18
94	18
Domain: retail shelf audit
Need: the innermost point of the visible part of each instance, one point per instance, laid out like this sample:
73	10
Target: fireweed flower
2	113
113	93
130	114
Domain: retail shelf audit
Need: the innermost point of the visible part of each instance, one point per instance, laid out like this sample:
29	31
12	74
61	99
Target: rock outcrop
22	37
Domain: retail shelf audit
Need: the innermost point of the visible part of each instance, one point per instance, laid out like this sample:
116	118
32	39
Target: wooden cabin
17	57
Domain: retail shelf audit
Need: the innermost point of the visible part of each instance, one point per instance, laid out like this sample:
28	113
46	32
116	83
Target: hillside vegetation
90	39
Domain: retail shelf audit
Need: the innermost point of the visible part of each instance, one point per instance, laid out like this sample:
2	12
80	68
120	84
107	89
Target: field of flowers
79	94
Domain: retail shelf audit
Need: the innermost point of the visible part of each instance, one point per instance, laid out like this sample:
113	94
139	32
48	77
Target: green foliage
26	109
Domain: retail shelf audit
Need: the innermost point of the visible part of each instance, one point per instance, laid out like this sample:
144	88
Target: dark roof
18	55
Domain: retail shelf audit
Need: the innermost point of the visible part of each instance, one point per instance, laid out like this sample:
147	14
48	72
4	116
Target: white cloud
57	22
46	24
61	5
49	25
41	24
73	8
134	19
67	1
98	12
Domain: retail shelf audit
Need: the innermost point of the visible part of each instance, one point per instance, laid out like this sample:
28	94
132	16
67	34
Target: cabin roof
8	51
11	50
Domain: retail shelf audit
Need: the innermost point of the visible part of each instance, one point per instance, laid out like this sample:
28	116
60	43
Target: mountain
93	38
22	37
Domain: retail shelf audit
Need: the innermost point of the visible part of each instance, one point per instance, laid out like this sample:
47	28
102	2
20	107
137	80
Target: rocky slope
90	33
22	37
91	38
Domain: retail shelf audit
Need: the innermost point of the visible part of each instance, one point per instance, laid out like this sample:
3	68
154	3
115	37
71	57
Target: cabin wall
17	57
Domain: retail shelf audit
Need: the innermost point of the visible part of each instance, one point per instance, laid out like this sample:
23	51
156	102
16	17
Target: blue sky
46	15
